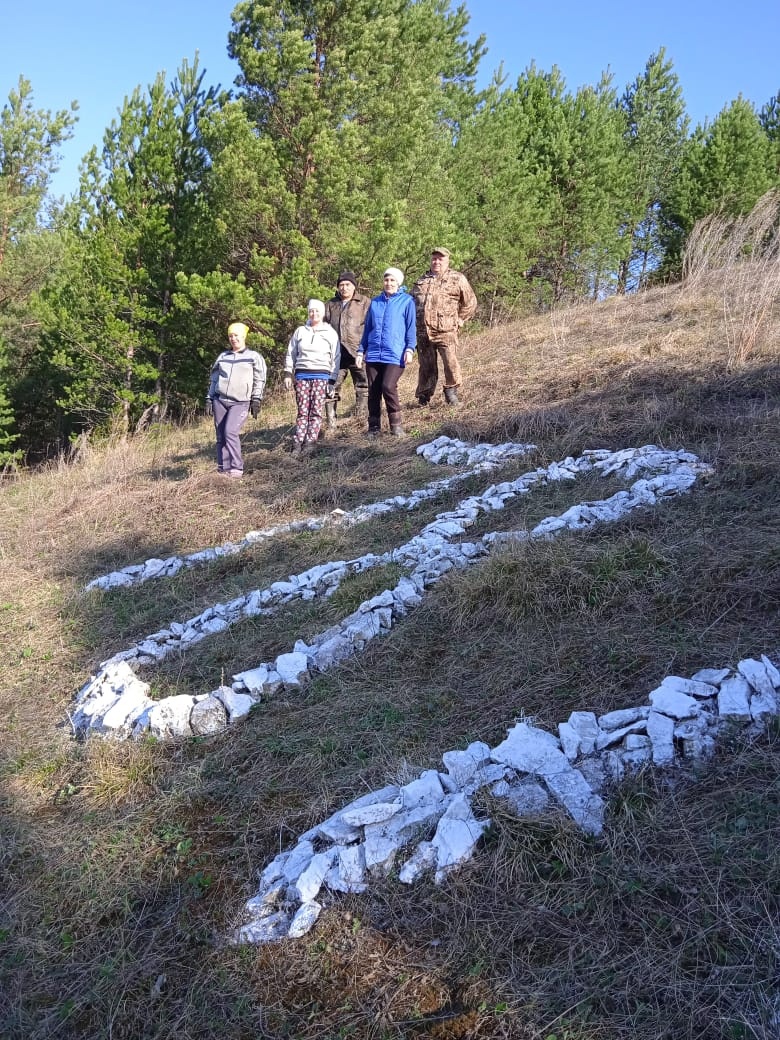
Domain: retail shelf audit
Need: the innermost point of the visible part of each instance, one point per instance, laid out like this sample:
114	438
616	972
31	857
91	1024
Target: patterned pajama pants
310	399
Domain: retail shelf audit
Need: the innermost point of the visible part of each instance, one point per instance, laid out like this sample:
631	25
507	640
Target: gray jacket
238	375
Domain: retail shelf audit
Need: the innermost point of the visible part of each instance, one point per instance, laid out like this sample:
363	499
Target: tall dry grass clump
745	252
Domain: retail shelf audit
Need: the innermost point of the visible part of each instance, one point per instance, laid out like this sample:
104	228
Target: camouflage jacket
443	303
348	320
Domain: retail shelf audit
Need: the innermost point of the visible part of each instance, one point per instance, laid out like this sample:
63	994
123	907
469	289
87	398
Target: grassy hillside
122	865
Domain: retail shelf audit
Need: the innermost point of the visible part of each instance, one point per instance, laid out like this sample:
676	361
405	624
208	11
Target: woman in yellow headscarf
235	389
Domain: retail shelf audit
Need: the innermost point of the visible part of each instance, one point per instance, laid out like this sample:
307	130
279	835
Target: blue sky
97	52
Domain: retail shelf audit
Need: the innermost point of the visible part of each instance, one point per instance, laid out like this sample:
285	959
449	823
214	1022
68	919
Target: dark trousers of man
359	378
383	383
229	417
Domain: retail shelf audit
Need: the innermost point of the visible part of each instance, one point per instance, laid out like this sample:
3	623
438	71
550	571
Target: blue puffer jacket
390	329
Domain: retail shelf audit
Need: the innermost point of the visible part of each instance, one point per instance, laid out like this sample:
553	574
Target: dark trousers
359	380
229	417
383	383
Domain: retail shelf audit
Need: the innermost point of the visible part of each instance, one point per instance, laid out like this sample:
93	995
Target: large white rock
675	705
427	787
311	878
170	718
734	699
304	919
579	799
238	705
349	872
579	734
291	668
121	718
462	765
660	729
756	674
422	860
524	797
208	716
530	750
622	717
456	836
693	687
371	813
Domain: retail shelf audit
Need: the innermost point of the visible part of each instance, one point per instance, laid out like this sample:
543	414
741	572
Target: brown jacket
348	320
443	303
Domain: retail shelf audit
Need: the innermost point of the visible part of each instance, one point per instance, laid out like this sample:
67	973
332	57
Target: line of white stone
480	458
429	826
116	702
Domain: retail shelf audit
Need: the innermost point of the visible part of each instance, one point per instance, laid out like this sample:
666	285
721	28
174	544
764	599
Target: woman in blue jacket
387	346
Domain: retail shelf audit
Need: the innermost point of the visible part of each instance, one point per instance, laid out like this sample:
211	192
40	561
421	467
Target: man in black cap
444	301
346	312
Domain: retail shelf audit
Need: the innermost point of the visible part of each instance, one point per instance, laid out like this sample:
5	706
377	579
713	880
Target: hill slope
123	864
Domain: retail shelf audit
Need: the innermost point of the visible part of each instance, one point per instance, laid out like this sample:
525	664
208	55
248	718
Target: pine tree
142	220
656	131
348	112
726	167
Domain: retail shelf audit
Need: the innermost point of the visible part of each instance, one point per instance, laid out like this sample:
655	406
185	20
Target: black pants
383	383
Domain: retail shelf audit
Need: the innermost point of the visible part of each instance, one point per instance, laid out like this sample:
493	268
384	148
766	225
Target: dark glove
254	407
209	406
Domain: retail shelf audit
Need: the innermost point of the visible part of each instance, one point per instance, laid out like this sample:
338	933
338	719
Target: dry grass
122	865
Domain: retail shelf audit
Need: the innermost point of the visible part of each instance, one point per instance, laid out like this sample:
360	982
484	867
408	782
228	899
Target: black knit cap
346	276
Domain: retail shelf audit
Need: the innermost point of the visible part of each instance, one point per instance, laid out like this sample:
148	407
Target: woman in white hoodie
313	359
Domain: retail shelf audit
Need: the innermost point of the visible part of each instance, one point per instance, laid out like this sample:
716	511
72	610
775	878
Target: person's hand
288	382
254	407
408	355
330	393
359	360
209	406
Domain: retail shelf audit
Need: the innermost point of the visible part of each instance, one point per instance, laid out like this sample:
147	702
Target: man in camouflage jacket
444	301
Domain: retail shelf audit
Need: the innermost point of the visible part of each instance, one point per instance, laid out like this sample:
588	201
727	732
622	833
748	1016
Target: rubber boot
397	431
361	403
450	395
330	413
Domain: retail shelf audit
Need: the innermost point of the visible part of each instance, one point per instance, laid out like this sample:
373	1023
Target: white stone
462	765
304	919
310	879
456	836
422	860
337	830
611	737
170	718
265	929
693	687
349	872
621	718
253	678
675	705
291	668
426	788
734	699
756	674
579	799
530	750
525	797
660	729
238	704
208	716
373	813
122	717
713	676
297	860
